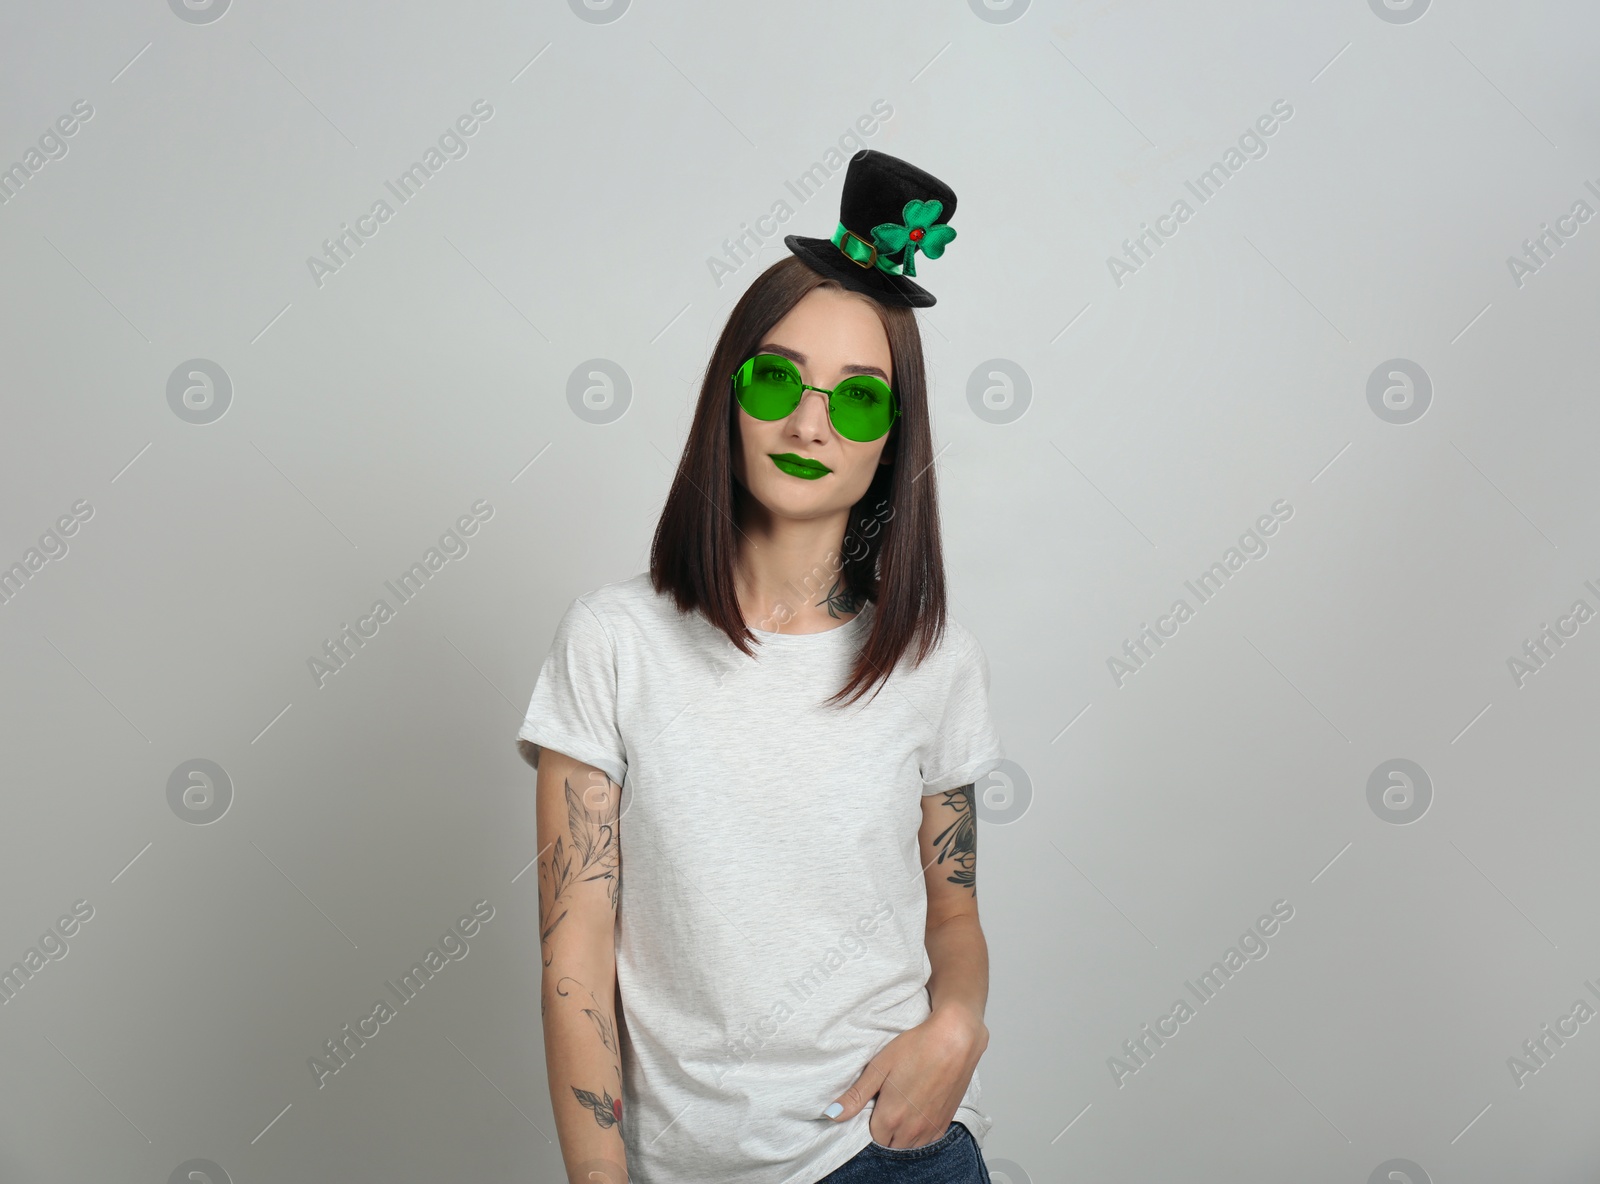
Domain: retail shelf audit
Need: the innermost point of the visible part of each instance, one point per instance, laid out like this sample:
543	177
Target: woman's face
829	335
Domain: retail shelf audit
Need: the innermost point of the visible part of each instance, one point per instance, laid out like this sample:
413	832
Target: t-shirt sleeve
574	704
967	745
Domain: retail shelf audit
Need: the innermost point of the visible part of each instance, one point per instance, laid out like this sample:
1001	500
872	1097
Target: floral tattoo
958	842
594	854
593	828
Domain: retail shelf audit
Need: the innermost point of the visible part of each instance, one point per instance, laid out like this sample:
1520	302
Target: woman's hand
918	1078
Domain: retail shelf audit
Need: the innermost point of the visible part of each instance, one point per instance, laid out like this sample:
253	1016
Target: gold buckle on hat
854	256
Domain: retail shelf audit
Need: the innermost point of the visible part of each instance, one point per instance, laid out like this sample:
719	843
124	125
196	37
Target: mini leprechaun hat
890	212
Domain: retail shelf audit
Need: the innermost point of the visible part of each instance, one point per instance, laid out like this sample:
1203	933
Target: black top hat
889	211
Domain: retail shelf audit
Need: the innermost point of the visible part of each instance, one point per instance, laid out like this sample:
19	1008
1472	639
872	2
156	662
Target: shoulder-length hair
891	553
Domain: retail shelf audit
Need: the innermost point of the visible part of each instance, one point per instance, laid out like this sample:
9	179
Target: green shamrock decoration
919	231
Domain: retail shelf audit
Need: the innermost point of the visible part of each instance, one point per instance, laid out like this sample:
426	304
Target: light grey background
1165	415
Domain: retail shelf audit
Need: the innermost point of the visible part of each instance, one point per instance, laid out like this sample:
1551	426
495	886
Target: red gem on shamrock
921	231
616	1109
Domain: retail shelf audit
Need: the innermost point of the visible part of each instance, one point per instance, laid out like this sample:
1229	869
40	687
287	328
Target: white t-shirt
770	923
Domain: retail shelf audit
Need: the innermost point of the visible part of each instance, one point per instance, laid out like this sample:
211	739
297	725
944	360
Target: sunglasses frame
804	386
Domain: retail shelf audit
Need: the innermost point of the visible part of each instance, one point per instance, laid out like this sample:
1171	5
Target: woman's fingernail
833	1111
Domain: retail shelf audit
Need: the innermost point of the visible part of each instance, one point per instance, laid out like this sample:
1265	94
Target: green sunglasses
861	408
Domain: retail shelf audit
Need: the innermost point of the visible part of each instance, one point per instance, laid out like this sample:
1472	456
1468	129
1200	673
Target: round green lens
768	386
862	408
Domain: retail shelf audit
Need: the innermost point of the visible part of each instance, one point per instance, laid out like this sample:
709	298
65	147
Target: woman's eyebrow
796	356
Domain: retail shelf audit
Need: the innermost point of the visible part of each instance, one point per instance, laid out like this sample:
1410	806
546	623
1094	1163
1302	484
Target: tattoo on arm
594	853
607	1110
959	841
593	826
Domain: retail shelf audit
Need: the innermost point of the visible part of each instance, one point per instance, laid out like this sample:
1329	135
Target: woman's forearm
959	956
584	1066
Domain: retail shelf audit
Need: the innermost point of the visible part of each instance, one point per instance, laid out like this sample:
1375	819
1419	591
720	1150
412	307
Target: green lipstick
799	466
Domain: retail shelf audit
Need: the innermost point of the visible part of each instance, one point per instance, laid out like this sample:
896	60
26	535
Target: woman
789	985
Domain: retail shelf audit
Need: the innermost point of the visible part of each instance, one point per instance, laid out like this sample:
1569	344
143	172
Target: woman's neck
789	575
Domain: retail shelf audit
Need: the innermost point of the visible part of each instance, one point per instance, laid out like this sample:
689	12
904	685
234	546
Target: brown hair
891	554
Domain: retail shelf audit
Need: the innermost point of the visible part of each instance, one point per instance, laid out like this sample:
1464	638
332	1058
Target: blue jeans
952	1159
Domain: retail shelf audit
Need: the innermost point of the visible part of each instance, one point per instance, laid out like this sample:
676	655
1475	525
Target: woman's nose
806	405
